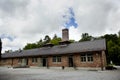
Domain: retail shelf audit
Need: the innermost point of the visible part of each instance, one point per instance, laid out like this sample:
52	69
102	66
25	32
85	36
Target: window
19	60
4	60
34	60
86	57
83	58
90	57
56	58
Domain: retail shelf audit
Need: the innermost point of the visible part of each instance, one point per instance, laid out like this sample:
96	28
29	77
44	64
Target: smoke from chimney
65	35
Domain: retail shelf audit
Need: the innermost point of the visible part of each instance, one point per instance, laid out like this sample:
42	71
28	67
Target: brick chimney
65	34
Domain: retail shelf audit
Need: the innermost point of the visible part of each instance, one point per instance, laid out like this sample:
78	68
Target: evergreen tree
85	37
40	43
47	39
55	40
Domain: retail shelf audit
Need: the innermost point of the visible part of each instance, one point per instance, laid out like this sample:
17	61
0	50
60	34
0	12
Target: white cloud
31	20
74	33
94	16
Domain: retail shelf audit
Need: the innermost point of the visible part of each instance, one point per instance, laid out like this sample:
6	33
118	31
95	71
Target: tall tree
55	36
47	39
112	37
119	34
40	43
55	40
113	47
30	46
119	38
86	37
72	41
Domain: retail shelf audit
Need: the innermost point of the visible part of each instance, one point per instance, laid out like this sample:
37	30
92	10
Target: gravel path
56	74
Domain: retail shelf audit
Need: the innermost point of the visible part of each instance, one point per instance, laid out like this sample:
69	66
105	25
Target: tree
55	36
30	46
114	54
8	51
112	37
72	41
55	40
119	34
47	39
40	43
86	37
113	47
119	38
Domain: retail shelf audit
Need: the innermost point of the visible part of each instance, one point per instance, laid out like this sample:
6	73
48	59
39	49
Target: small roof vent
19	50
64	43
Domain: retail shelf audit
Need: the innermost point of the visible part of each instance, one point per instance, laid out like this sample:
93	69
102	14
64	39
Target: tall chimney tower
65	34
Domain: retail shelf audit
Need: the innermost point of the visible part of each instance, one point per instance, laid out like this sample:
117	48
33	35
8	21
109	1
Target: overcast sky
25	21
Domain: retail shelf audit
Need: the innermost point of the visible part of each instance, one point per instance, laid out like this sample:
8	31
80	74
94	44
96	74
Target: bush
110	67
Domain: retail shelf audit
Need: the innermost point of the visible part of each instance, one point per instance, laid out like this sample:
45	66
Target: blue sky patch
71	21
11	38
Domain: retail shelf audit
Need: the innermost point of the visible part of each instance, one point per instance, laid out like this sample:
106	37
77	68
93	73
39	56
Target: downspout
12	62
47	62
101	59
74	63
106	52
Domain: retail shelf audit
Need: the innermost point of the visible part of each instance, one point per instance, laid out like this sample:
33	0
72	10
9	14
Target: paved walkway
56	74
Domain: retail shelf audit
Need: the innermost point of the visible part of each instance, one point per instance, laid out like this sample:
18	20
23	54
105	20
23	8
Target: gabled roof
78	47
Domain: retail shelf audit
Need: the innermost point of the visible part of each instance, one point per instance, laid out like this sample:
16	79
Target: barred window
87	57
56	59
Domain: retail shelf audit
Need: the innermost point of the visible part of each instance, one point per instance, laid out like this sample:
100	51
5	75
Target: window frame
56	59
4	60
89	57
34	60
86	57
83	58
19	60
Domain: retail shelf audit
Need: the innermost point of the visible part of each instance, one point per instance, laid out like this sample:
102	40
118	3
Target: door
24	62
44	62
70	61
